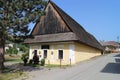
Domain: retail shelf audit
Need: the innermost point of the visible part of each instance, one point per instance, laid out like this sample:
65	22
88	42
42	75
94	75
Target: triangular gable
50	23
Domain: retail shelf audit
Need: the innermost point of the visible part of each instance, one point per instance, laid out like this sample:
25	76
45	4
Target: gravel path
105	67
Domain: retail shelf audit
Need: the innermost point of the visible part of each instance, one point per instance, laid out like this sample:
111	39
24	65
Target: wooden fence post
70	61
60	63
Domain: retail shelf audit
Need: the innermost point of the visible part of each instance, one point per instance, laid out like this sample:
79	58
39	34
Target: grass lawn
13	58
56	66
9	74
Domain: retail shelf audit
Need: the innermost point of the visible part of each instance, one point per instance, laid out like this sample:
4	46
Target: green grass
7	56
13	60
9	74
55	66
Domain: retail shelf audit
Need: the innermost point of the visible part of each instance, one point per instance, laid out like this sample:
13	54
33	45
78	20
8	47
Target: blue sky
101	18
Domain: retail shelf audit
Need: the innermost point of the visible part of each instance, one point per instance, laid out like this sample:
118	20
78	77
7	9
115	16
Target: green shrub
25	57
30	61
42	62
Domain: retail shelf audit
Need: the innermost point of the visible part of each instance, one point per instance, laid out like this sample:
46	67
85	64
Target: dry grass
11	75
12	56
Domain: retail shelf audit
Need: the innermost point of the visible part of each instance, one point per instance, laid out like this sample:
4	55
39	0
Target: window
60	54
45	53
45	47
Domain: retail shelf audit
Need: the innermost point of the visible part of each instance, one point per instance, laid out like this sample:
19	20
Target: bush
25	58
30	61
23	48
42	62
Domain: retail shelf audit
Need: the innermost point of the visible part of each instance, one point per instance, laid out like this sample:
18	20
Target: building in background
110	46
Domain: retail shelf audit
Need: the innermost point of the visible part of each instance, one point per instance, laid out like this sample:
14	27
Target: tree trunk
2	59
1	62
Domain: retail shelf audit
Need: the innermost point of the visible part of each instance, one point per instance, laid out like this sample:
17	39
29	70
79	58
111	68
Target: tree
12	50
9	50
15	15
23	48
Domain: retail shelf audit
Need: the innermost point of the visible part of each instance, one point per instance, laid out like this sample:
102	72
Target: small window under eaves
45	47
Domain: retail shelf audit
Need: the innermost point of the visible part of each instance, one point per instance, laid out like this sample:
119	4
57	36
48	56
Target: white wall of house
72	52
53	52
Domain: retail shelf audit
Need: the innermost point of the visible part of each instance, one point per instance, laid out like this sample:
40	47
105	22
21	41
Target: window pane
60	54
45	53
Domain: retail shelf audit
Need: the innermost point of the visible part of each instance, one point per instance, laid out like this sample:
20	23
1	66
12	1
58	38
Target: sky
101	18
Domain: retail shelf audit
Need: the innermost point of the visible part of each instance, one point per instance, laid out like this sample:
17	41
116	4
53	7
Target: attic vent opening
45	47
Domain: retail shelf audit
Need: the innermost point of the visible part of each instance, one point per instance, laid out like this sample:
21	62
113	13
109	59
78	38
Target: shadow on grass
11	74
21	67
113	68
17	70
7	70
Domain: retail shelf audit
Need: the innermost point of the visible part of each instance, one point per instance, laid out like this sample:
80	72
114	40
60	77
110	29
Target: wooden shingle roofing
59	37
82	35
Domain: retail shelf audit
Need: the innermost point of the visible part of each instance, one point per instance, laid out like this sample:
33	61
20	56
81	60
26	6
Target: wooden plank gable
50	23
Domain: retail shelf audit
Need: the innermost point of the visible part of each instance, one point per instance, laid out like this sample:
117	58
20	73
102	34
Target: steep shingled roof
82	35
